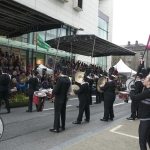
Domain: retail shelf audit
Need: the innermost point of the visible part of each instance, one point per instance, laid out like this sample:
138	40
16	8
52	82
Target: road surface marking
72	99
119	126
53	108
121	103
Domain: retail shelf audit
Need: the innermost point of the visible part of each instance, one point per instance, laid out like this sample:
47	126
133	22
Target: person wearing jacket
4	89
83	102
144	113
33	84
60	91
109	98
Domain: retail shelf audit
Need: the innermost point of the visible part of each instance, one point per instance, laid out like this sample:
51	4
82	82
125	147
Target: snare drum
38	99
123	95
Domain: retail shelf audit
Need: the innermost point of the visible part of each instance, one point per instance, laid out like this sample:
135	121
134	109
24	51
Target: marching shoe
111	119
63	128
103	120
28	110
87	120
76	122
96	102
130	118
54	130
77	106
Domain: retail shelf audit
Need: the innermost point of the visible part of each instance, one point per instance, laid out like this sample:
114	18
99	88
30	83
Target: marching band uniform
33	84
90	81
144	115
83	102
135	104
60	91
109	98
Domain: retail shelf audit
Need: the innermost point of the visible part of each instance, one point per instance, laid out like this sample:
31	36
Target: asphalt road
30	131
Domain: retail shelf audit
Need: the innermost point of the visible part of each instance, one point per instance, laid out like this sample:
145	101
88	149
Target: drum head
129	82
123	92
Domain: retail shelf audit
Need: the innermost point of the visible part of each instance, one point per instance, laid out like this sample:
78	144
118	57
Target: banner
41	43
148	44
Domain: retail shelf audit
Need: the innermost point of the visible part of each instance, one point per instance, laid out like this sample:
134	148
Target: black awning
17	19
83	45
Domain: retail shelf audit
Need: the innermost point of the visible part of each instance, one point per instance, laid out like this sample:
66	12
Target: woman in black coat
144	113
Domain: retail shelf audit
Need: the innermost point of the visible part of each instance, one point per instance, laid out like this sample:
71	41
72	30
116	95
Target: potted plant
18	100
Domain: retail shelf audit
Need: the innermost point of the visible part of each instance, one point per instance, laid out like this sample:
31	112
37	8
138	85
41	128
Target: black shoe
96	102
87	120
8	111
111	119
77	106
28	110
63	128
90	103
103	120
126	101
54	130
76	122
130	118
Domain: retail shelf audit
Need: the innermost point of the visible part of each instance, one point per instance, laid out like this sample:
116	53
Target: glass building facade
26	47
103	21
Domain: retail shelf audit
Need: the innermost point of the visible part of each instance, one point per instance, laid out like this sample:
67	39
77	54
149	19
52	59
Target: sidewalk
121	136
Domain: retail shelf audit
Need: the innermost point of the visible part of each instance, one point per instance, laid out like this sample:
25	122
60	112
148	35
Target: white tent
122	68
41	67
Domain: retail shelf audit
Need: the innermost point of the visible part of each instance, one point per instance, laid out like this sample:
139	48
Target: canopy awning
17	19
89	45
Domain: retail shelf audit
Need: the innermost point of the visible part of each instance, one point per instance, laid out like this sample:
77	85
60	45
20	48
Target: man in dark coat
90	80
109	98
33	84
60	91
135	104
4	88
83	102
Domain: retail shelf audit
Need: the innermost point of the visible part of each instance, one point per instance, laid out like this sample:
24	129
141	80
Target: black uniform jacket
138	87
83	92
144	99
90	81
109	91
61	89
4	82
33	84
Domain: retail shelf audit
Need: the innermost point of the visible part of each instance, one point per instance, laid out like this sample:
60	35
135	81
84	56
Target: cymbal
76	87
101	81
79	76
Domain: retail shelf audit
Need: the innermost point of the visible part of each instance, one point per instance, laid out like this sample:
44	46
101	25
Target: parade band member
97	93
109	98
144	113
60	91
90	81
4	89
33	84
83	102
135	104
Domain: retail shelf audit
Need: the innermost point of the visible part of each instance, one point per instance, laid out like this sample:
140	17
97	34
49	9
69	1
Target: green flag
41	43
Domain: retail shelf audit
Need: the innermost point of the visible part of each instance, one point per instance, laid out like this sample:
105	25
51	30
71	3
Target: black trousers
90	95
144	134
108	110
84	106
98	97
30	100
134	109
60	110
4	95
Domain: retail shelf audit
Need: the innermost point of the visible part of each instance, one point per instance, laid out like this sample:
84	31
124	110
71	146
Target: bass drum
129	82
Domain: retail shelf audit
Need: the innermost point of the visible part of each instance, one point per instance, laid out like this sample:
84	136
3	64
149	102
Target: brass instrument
79	76
76	87
101	82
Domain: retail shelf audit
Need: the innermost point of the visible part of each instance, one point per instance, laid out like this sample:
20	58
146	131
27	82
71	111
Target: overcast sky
131	21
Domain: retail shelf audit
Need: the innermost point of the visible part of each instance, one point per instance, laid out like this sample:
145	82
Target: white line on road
72	99
53	108
121	103
119	126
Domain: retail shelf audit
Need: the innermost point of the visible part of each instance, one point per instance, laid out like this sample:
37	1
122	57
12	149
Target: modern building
32	17
133	61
